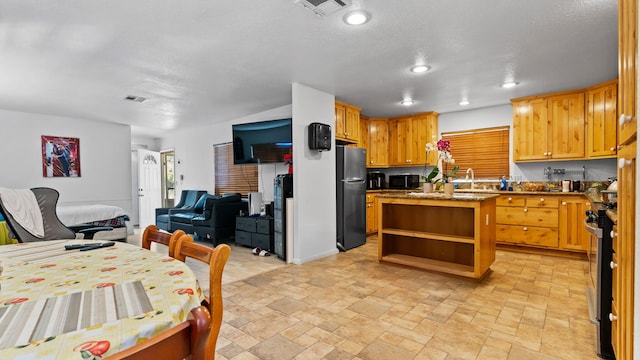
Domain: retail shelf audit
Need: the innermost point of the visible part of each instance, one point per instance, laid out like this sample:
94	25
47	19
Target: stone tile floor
349	306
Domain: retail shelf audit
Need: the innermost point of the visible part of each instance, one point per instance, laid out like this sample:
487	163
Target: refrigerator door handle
354	181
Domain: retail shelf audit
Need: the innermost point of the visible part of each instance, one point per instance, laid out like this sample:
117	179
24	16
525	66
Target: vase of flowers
441	174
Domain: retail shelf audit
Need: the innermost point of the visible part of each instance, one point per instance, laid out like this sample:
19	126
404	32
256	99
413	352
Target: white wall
194	153
314	187
104	157
502	116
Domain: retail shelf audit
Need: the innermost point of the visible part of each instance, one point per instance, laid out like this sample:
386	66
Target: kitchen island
452	234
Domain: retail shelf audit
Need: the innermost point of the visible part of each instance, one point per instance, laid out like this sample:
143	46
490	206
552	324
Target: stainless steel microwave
407	182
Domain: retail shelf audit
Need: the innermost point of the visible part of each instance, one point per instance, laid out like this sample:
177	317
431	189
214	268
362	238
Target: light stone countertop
438	196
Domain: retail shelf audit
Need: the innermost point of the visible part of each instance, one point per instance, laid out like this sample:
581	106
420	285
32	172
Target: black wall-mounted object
319	137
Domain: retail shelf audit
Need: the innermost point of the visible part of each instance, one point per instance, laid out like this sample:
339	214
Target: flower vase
448	189
427	188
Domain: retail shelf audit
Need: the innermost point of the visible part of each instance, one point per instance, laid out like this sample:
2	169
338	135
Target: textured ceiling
201	62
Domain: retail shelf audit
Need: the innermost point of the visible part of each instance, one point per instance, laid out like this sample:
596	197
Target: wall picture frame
60	156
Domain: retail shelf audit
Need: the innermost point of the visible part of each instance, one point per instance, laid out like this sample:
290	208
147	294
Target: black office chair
54	229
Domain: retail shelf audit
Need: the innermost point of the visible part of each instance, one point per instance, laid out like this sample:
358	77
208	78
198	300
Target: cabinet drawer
264	226
246	224
527	216
511	200
243	238
527	235
261	241
542	201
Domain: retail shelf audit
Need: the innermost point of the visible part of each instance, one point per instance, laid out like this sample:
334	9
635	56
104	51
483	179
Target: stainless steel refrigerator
351	175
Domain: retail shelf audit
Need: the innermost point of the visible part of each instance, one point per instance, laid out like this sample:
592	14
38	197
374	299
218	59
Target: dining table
84	299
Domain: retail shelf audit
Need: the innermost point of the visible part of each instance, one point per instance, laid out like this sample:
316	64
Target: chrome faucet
470	170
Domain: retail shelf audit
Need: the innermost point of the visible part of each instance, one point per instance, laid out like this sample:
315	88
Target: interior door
149	186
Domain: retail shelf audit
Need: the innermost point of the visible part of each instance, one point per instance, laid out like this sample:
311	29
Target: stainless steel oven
599	295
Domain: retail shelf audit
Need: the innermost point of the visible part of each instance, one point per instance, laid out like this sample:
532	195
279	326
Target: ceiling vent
135	98
324	7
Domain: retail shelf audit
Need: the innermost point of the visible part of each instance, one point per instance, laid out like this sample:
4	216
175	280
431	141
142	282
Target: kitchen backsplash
595	170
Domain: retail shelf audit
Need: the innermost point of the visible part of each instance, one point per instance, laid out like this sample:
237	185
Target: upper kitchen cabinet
408	136
378	145
530	129
602	118
549	127
347	122
364	134
627	52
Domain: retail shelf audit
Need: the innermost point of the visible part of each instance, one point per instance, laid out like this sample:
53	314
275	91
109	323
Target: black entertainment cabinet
255	232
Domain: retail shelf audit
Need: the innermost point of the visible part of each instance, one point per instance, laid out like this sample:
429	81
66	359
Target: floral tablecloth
94	303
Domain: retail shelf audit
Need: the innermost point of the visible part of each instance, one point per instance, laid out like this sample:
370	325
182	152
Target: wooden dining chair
187	340
153	234
216	258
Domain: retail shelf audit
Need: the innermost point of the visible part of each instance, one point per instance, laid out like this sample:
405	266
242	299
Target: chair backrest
153	234
217	259
189	198
53	228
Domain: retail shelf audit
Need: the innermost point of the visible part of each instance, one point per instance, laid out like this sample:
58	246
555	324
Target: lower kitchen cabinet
530	220
571	212
372	213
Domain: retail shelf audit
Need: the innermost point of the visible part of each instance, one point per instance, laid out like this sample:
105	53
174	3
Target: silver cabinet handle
525	210
564	203
613	234
541	199
510	199
622	162
525	229
625	119
612	317
613	148
613	265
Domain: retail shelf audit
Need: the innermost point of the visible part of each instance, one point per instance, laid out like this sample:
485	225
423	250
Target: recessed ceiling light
509	84
407	102
420	68
356	17
464	102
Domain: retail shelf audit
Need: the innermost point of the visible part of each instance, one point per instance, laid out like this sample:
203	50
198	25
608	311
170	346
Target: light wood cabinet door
347	124
601	112
566	116
530	130
408	137
571	214
352	124
399	138
627	70
627	180
378	146
424	130
339	124
363	142
616	291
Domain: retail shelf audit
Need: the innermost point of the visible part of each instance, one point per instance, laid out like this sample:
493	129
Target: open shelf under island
452	234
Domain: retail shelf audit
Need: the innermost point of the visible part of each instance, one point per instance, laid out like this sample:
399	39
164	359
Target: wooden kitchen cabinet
408	137
372	213
530	129
601	111
627	70
378	144
625	255
347	122
571	213
364	134
549	127
530	220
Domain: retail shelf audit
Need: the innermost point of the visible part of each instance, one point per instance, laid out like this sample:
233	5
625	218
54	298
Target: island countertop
439	196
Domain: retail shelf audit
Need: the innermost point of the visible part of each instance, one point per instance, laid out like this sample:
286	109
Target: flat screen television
261	142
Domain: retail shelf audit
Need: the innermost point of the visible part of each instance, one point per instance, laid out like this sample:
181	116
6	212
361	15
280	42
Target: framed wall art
60	156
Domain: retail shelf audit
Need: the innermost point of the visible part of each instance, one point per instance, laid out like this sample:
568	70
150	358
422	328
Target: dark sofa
218	220
188	200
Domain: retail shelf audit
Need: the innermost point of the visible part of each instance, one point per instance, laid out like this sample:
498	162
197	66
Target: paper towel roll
255	203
